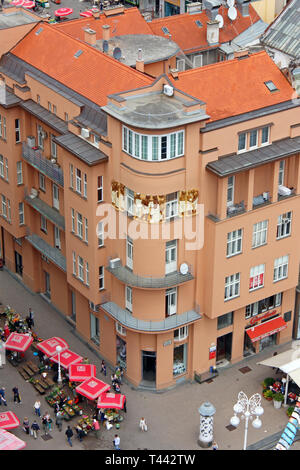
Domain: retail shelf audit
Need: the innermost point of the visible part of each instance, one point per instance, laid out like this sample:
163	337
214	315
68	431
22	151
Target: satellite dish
105	46
230	3
117	53
220	19
184	268
232	13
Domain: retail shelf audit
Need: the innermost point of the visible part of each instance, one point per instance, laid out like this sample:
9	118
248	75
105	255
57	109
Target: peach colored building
197	173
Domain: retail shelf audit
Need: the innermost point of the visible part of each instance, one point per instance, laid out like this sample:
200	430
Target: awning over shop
288	362
265	329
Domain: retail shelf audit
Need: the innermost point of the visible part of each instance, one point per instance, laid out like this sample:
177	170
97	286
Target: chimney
212	33
106	32
211	8
139	65
243	7
90	36
96	13
194	8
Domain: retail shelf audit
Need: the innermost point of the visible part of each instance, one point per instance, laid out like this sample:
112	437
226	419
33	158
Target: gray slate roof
235	163
284	32
81	149
45	116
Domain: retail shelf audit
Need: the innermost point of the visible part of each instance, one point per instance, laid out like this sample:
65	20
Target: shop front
264	334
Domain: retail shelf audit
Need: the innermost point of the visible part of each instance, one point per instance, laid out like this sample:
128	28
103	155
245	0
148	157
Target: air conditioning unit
168	90
114	263
33	193
85	133
31	141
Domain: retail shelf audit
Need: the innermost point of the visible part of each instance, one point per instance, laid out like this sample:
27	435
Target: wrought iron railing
45	166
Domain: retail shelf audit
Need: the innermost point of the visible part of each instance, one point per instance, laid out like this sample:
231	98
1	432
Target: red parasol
111	400
92	388
17	3
8	420
9	441
48	346
63	12
81	372
67	358
28	4
86	14
18	342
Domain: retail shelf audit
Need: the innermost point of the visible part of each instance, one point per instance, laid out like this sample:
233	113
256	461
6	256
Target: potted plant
268	382
290	410
278	399
268	394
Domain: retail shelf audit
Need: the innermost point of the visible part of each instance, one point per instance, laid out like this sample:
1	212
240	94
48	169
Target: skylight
199	24
78	53
165	30
39	31
271	86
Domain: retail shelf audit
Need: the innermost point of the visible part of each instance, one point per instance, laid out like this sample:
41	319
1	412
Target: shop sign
262	317
256	281
167	343
212	352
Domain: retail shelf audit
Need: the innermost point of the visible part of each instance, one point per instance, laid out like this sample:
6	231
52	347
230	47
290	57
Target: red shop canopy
8	420
9	441
18	342
92	388
265	329
67	358
81	372
111	400
48	346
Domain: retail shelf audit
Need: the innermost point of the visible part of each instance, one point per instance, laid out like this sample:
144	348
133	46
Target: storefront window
121	352
180	359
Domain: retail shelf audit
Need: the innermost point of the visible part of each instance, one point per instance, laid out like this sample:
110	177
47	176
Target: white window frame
171	207
71	176
99	188
129	253
6	168
8	210
42	182
242	149
260	233
4	206
72	220
171	301
74	263
55	194
171	257
234	242
129	195
181	333
19	173
128	298
78	180
257	277
1	166
101	277
87	273
95	328
80	268
251	147
180	65
17	131
85	185
86	230
100	234
232	286
40	137
79	219
43	223
53	147
281	172
230	190
197	60
4	128
267	142
284	225
281	268
57	240
21	213
120	329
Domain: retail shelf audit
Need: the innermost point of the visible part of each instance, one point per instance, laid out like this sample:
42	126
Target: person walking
59	420
45	423
49	421
26	426
31	316
37	408
34	429
215	446
69	434
143	425
96	427
116	442
2	396
16	393
125	406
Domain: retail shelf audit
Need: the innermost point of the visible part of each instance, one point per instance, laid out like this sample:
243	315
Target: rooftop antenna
220	19
105	46
117	53
230	3
232	13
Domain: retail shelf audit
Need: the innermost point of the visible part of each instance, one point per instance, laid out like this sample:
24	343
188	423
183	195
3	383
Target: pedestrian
102	416
29	323
125	406
143	425
116	442
96	427
103	368
215	446
31	316
45	423
16	393
49	421
59	420
26	425
2	396
69	434
56	408
34	429
37	408
80	433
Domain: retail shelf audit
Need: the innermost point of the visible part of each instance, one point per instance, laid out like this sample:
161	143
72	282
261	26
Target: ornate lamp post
248	407
58	350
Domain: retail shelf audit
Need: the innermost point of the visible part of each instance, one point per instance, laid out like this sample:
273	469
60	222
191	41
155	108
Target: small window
242	142
225	320
253	139
181	333
165	30
265	134
78	53
120	329
199	24
271	86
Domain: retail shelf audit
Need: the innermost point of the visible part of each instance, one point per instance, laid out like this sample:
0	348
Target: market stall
9	441
66	358
81	372
48	346
111	402
69	407
9	420
17	344
92	388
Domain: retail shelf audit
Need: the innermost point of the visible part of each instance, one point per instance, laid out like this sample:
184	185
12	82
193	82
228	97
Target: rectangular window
234	242
125	139
21	213
120	329
130	142
225	320
95	329
4	206
87	274
281	268
257	274
17	131
38	99
128	298
43	224
54	109
100	234
6	168
155	148
232	286
53	147
180	143
55	196
137	139
0	125
129	253
1	166
57	242
171	256
253	139
144	147
19	173
101	277
259	235
242	141
172	145
40	137
163	152
80	268
171	301
265	134
85	185
78	180
86	230
71	176
74	263
42	182
66	117
49	106
284	225
79	225
278	299
281	173
171	205
73	220
130	202
4	128
8	210
230	190
100	189
181	333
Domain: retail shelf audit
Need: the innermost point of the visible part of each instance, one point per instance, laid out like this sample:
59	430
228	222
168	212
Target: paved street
172	416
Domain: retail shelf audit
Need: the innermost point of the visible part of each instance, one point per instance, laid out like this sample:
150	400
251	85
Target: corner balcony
127	320
50	252
124	274
35	158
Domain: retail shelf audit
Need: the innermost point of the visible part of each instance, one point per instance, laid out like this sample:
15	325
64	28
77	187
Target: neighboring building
80	129
269	9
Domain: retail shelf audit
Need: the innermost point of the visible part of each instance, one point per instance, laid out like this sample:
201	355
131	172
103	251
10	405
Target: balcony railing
170	280
236	209
127	320
50	252
47	211
261	200
36	159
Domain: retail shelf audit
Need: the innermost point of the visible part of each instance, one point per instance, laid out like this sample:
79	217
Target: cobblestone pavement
172	416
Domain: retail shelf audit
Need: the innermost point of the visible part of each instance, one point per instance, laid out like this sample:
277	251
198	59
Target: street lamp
58	350
247	407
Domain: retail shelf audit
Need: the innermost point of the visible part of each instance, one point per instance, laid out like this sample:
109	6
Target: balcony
35	158
261	200
236	209
284	192
44	209
127	320
53	254
125	275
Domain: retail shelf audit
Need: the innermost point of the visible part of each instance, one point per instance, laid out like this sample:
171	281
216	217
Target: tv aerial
105	46
220	19
232	13
230	3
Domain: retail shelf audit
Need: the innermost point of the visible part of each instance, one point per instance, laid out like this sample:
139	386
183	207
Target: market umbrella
18	342
111	400
81	372
9	441
17	3
92	388
28	4
8	420
86	14
67	358
63	12
48	346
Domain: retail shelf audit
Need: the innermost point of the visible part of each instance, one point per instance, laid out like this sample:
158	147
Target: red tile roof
190	37
235	86
93	74
129	22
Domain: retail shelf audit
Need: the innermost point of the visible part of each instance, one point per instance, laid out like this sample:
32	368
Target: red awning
18	342
9	441
111	400
8	420
48	346
66	358
81	372
92	388
265	329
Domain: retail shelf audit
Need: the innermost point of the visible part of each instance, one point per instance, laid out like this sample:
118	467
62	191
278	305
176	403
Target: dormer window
271	86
